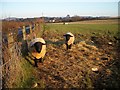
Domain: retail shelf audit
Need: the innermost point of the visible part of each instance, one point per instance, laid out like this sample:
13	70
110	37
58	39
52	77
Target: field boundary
14	44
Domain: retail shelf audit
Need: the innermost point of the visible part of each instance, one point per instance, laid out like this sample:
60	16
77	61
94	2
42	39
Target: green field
83	28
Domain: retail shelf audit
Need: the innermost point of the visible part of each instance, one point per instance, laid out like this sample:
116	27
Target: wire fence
12	50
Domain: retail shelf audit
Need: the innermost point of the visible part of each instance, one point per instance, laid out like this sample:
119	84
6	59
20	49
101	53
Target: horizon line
59	16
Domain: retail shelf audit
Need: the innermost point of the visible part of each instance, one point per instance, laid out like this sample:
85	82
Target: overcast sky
57	8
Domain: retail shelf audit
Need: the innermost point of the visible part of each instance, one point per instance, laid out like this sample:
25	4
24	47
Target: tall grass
26	78
17	73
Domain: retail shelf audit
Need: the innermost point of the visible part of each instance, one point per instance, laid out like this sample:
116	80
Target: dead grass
73	68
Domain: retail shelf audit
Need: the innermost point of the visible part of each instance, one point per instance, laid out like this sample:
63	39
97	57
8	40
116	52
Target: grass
29	72
83	28
28	77
88	81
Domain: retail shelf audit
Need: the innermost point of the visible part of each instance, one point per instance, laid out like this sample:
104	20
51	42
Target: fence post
20	34
39	34
28	32
30	29
24	33
33	35
15	34
10	38
36	27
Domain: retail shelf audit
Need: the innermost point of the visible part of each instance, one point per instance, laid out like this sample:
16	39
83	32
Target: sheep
37	48
69	40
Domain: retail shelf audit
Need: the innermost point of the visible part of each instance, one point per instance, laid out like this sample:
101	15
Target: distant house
52	20
64	23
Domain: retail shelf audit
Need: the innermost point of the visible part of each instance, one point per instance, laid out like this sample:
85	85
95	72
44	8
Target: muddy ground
74	68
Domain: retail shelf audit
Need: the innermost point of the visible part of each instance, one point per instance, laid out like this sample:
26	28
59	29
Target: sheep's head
37	43
68	35
38	46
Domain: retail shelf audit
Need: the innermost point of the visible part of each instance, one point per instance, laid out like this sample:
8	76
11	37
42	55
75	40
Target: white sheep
69	40
37	48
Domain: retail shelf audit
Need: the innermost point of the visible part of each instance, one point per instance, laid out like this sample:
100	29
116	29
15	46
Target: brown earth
74	68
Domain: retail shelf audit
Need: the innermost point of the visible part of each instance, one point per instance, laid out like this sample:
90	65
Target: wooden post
34	28
37	27
28	32
38	30
10	38
30	29
14	34
5	39
20	34
24	33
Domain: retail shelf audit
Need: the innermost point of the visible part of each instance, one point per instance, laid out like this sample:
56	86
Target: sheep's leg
67	46
35	60
70	46
41	60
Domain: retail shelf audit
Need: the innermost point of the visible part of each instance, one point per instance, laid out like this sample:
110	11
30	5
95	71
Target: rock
95	69
110	43
35	85
92	41
97	59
